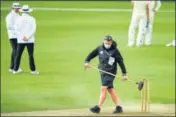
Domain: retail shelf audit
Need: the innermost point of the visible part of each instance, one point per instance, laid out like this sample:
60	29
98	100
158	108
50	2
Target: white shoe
11	70
139	45
169	44
34	72
173	43
17	72
130	45
148	44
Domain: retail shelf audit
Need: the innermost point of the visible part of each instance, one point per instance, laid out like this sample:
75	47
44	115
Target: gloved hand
124	77
87	65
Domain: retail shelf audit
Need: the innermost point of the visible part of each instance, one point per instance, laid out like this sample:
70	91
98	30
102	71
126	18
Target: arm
92	55
9	22
147	11
33	29
119	59
17	27
158	5
148	15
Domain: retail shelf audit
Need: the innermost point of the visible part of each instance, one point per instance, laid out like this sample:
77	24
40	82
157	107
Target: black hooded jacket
104	56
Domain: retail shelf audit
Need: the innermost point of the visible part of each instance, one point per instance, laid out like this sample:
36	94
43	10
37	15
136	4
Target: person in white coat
154	7
10	25
140	19
26	28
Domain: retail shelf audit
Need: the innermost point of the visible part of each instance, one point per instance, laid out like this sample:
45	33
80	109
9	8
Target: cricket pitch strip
129	110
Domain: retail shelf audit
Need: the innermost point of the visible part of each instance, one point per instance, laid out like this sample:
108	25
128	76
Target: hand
87	65
25	38
124	77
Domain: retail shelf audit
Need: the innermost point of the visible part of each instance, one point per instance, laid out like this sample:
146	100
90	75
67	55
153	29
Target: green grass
64	39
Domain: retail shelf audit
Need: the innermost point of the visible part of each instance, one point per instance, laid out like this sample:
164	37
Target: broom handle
103	71
109	73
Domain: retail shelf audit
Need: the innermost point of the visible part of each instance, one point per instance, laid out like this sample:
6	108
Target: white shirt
26	26
155	5
139	7
10	24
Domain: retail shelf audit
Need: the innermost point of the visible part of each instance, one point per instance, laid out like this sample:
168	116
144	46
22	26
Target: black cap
108	38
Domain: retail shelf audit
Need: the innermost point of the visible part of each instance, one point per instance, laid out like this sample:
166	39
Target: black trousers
13	43
20	49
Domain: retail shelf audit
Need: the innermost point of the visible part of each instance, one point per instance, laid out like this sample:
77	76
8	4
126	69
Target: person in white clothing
10	25
154	6
26	28
140	19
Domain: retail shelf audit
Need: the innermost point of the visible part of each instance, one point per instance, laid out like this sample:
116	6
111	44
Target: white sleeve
32	32
9	22
158	5
17	26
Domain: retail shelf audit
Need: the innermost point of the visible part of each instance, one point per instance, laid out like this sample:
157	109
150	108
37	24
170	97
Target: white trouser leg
173	42
149	30
132	30
141	32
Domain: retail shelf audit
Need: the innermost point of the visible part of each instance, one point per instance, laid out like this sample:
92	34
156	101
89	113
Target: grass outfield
63	40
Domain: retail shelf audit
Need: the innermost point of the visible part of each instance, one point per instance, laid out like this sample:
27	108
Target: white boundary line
84	9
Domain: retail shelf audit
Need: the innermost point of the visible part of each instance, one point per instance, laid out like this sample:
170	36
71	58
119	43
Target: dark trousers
107	80
13	43
20	49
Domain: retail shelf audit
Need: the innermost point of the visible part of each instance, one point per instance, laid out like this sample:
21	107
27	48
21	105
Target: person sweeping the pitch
109	56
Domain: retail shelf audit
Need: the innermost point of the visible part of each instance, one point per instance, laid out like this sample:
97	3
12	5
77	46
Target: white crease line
84	9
